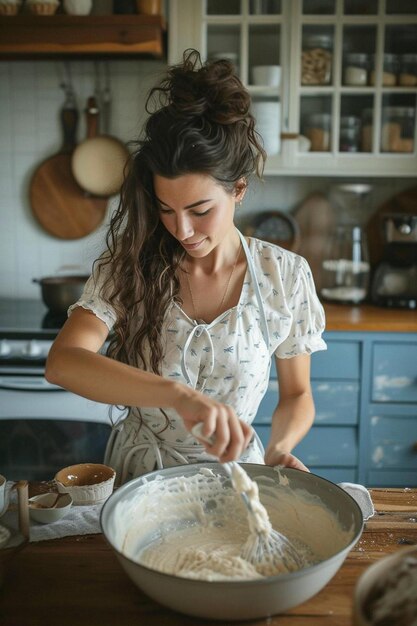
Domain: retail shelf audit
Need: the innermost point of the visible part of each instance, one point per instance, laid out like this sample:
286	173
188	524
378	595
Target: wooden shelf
32	36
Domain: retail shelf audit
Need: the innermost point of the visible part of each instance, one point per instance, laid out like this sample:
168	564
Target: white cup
4	495
266	75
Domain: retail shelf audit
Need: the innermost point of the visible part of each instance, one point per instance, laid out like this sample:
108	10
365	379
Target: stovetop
27	319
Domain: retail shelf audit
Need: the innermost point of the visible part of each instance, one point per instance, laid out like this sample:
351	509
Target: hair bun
211	90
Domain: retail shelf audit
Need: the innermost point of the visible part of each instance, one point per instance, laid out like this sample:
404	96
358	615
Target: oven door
44	428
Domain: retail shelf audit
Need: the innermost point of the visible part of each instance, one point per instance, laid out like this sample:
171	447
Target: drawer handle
414	447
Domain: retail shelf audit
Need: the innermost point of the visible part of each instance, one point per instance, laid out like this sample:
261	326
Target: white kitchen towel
80	520
362	497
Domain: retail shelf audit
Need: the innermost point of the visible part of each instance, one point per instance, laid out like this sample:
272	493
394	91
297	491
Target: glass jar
316	60
349	140
346	269
318	130
350	121
367	129
389	70
407	76
349	133
397	132
356	69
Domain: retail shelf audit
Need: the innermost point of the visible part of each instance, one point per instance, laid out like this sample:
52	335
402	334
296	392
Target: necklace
225	291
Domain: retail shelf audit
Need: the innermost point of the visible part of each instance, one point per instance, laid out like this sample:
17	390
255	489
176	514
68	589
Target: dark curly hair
199	122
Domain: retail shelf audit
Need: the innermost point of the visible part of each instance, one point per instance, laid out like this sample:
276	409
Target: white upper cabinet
343	98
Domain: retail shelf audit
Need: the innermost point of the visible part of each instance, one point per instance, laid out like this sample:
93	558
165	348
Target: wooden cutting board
59	204
405	203
316	220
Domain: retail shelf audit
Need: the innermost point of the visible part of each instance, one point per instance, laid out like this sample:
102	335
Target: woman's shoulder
269	254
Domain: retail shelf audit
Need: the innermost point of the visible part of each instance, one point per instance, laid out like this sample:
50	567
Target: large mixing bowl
247	599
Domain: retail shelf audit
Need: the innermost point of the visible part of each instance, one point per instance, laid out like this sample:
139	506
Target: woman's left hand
277	457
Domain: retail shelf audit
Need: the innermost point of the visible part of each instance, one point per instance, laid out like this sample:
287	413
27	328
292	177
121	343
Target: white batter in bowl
147	519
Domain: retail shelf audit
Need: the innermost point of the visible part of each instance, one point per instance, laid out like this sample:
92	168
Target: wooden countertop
367	317
77	580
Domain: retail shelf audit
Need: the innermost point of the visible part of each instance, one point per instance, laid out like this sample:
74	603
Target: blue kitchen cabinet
365	392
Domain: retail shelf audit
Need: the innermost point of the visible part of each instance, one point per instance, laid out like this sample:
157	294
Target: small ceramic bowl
384	583
87	483
49	507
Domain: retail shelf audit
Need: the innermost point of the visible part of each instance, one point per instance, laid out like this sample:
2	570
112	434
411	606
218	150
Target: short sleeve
93	300
308	319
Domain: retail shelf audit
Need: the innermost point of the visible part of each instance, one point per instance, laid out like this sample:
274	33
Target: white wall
30	99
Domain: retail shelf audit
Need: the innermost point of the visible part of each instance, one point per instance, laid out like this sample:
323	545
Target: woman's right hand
231	434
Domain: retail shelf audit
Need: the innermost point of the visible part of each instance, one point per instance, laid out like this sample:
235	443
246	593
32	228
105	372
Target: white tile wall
30	99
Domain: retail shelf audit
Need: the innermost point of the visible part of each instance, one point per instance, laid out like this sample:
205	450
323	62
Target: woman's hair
199	122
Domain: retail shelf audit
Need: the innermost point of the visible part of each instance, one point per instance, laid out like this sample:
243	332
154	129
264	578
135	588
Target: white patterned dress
229	359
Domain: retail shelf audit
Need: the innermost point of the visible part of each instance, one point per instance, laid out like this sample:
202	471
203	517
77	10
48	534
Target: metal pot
237	600
59	292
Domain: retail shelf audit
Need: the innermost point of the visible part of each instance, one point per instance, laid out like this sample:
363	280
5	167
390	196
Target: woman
196	310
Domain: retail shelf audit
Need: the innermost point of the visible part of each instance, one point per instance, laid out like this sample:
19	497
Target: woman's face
196	210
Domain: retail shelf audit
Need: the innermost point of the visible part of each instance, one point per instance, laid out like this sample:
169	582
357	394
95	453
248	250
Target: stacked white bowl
268	124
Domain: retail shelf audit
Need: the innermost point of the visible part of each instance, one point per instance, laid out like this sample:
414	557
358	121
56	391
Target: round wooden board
59	204
316	220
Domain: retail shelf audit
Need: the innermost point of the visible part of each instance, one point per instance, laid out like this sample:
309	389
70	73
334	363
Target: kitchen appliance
346	268
43	428
394	282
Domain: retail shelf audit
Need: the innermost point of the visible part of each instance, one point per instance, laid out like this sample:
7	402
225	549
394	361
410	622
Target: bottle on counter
356	69
316	59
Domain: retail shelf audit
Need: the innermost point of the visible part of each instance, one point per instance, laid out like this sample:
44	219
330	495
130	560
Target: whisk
268	550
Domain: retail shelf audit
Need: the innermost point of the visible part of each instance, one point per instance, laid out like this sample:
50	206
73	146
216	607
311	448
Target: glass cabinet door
249	33
357	84
333	82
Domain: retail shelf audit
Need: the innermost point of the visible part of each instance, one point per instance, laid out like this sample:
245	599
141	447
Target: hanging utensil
57	201
98	162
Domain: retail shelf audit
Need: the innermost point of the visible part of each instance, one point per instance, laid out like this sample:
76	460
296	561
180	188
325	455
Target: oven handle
27	383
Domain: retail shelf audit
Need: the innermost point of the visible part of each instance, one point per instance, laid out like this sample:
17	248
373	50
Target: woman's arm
75	364
294	414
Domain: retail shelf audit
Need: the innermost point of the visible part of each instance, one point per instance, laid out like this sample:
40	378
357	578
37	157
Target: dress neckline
237	306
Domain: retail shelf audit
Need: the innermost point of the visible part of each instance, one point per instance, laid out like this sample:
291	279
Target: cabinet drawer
394	478
332	446
337	402
393	442
324	446
394	372
340	360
